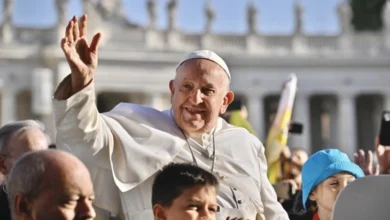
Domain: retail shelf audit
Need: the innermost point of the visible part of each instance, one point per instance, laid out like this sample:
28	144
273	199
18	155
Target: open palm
383	155
82	57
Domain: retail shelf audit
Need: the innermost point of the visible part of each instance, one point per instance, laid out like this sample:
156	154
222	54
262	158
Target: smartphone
295	128
384	133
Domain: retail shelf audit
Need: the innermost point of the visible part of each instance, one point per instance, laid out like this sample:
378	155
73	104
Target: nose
196	97
343	185
85	210
206	215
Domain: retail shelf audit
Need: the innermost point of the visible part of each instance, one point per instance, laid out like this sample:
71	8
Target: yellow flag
278	132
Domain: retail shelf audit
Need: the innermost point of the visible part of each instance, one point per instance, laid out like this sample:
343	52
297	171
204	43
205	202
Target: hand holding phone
384	134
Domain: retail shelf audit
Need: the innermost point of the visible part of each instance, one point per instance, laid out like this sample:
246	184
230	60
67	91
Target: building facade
343	79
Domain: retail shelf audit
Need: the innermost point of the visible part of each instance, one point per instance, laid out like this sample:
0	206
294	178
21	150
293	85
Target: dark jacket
5	213
305	216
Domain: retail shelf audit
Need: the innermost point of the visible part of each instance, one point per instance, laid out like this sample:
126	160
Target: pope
126	147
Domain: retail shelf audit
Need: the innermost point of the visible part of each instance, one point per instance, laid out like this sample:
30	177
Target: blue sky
275	16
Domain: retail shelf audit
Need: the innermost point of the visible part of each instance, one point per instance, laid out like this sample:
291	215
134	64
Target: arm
273	210
79	124
80	127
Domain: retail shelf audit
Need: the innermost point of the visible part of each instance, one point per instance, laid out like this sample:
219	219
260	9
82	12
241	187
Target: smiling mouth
194	111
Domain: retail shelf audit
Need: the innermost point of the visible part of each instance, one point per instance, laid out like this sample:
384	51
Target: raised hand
82	57
383	155
366	162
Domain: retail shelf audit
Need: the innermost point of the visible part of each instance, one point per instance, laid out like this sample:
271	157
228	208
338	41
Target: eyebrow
194	200
200	202
208	85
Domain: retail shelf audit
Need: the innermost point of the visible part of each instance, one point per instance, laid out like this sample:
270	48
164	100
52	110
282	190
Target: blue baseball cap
322	165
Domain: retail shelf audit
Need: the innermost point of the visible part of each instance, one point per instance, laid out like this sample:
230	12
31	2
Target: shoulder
138	112
240	136
244	133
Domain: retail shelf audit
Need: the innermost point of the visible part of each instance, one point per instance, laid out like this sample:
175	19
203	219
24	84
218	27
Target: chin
194	128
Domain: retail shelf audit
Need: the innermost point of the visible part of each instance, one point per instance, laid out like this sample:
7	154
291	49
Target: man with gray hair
16	139
50	184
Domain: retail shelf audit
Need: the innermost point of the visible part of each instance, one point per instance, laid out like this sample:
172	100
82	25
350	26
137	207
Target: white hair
26	178
16	128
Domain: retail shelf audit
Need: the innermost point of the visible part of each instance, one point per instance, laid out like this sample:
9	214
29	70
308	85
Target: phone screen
295	128
384	134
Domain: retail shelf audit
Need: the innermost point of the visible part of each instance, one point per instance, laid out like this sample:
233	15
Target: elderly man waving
126	147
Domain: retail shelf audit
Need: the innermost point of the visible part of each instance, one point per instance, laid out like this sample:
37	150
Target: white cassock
126	147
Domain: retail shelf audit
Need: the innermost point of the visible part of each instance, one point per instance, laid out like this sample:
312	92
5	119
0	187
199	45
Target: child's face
325	194
195	203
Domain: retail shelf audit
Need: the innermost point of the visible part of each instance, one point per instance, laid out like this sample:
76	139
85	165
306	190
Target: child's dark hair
311	206
174	178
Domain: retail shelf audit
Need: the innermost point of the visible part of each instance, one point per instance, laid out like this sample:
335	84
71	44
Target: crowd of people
198	160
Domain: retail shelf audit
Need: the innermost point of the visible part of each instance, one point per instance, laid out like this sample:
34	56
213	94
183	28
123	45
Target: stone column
386	102
154	100
330	107
346	123
302	115
255	105
316	140
8	105
42	93
63	71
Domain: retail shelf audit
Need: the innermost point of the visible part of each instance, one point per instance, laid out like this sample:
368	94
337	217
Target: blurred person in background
48	185
237	115
290	184
366	160
16	139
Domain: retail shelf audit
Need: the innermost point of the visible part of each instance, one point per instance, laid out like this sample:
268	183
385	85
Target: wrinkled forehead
201	68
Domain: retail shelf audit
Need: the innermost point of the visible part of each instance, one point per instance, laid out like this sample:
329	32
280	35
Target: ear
172	86
3	168
22	206
313	196
159	212
229	97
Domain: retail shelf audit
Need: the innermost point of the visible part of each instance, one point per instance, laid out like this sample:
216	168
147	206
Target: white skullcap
208	55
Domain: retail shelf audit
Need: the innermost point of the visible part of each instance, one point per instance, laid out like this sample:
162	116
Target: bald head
44	180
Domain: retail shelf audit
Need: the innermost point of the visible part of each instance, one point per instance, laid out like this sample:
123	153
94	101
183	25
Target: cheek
178	99
329	197
181	214
45	209
59	213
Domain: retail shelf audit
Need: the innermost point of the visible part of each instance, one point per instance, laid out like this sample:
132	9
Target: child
324	175
184	192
